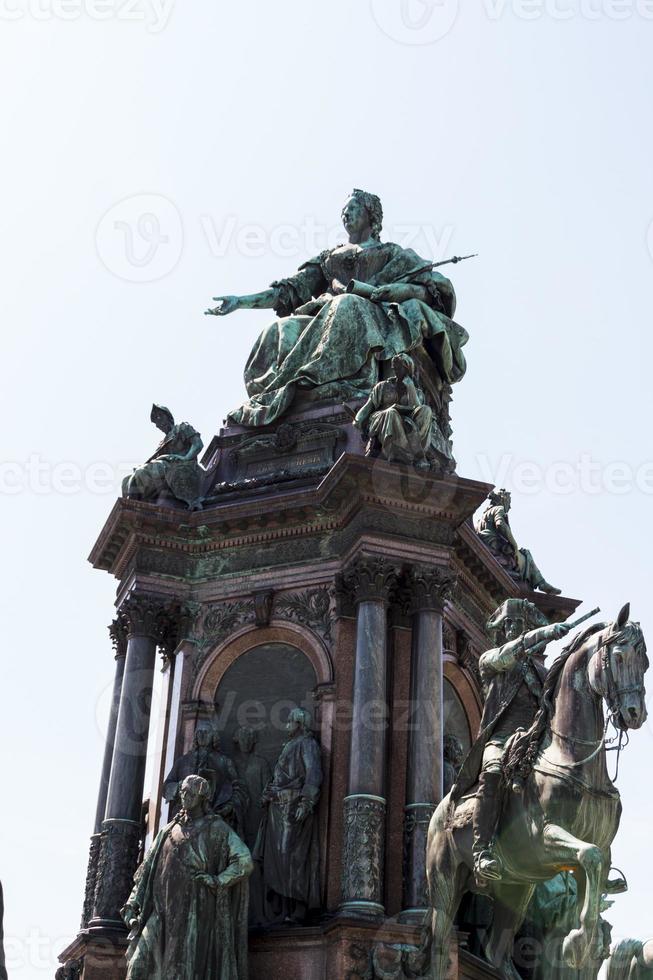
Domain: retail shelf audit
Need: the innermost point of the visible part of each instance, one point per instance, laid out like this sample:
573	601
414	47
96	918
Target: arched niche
257	677
462	707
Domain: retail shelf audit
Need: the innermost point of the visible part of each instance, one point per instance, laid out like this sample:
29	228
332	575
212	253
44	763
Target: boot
487	811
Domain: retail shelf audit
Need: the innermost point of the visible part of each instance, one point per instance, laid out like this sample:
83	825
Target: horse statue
565	811
631	960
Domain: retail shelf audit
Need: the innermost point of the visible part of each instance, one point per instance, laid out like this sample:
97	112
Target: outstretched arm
265	300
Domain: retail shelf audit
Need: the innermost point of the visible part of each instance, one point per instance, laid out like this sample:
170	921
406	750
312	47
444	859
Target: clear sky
157	154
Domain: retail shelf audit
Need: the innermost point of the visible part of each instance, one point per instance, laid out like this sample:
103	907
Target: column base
370	911
414	917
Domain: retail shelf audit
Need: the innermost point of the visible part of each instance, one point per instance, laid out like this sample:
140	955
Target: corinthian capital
145	615
371	578
429	587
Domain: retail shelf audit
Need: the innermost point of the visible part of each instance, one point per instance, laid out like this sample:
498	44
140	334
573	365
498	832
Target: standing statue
631	960
399	425
330	343
568	813
513	675
493	527
173	470
287	845
188	910
228	796
254	773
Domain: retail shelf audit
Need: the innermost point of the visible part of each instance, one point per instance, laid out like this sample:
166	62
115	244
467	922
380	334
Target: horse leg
446	893
510	904
561	847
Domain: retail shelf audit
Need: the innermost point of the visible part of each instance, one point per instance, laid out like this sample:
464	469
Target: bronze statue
513	675
254	773
229	796
287	845
172	471
493	527
569	811
329	343
631	960
398	423
188	910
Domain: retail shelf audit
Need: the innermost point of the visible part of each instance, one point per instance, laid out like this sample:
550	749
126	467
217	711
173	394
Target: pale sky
155	155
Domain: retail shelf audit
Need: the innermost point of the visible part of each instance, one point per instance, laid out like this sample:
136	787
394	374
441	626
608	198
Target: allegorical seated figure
493	527
513	675
188	910
228	796
398	424
331	343
173	470
287	845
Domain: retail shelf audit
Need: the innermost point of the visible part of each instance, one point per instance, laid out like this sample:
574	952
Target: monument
330	623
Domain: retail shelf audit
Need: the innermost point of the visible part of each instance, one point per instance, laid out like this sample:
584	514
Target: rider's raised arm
502	658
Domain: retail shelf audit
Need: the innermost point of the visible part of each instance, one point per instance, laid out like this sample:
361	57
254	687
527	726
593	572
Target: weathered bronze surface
187	913
568	787
172	471
493	527
332	337
398	424
287	845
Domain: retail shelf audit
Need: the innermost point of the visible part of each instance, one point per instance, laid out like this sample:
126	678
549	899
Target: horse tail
621	959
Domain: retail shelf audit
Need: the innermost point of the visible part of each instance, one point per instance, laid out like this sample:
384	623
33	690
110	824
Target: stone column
118	633
370	579
428	588
147	620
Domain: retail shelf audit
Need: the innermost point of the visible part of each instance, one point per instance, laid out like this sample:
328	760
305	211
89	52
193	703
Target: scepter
572	626
454	261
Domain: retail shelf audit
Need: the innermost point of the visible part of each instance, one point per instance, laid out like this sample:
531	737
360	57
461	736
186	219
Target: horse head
617	668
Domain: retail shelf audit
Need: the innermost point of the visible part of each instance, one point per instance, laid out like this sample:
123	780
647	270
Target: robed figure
287	846
188	909
345	313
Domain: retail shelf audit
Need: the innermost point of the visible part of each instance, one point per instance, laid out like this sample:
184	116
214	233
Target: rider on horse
513	675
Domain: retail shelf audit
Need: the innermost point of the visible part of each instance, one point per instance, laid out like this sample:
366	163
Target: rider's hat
518	609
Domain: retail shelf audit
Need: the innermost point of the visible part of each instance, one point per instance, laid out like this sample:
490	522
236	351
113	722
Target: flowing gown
329	343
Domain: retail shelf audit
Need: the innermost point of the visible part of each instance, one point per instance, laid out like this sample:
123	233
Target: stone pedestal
289	578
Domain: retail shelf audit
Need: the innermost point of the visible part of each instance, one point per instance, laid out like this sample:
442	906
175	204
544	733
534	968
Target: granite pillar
118	633
146	622
428	587
370	581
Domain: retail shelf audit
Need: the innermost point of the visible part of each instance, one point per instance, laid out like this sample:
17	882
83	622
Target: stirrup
487	866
